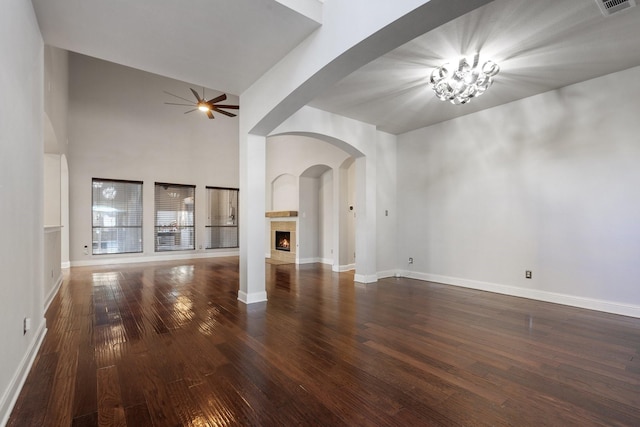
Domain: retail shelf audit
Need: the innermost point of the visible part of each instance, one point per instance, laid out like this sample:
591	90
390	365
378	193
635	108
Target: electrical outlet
410	260
26	325
527	274
86	250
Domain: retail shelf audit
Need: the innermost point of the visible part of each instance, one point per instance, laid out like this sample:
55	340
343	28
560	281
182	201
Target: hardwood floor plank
89	420
281	389
85	399
34	397
457	378
168	344
187	409
60	407
131	390
110	408
157	399
138	415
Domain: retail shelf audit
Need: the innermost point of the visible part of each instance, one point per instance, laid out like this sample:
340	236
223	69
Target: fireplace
283	241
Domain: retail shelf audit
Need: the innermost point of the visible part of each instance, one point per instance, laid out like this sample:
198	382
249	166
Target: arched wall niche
311	165
315	214
284	193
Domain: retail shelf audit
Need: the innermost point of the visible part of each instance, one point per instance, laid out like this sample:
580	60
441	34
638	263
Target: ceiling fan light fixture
459	84
207	106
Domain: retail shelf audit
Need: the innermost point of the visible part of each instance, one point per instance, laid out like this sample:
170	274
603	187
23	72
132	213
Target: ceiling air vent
609	7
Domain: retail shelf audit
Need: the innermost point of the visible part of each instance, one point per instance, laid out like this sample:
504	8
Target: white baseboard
65	265
12	392
316	260
252	297
343	268
388	273
307	260
365	278
553	297
53	292
99	260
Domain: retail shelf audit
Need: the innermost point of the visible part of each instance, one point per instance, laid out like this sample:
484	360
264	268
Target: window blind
174	217
116	213
222	218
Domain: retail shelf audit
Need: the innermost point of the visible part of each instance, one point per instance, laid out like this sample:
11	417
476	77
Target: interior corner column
366	252
339	226
252	228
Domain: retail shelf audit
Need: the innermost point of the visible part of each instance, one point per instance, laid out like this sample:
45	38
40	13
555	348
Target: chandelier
109	193
459	85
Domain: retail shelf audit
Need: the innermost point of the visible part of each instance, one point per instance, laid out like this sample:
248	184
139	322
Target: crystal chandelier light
109	193
459	85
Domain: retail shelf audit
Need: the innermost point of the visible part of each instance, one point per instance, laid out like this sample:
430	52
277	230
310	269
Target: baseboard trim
315	260
552	297
365	278
252	297
307	260
10	396
53	292
387	274
65	265
154	258
343	268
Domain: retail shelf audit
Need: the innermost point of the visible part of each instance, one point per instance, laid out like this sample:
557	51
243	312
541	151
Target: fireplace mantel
281	214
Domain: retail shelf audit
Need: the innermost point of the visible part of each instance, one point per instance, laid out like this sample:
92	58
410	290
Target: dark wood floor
168	344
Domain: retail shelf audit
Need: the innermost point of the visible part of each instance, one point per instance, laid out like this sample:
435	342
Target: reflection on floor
169	344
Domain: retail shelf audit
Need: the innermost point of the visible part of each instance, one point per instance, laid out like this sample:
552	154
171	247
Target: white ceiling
226	45
221	44
540	45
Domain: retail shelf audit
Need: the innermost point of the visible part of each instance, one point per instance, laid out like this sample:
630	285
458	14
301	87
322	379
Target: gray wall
120	128
550	184
21	192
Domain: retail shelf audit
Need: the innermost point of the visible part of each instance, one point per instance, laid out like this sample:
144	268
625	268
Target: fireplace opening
283	241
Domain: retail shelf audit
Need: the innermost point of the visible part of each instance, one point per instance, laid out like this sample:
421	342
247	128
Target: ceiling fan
207	106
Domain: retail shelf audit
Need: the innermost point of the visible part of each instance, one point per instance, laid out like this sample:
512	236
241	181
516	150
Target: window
222	218
175	225
116	216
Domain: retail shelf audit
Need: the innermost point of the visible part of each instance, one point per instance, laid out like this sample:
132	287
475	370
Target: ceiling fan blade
179	97
232	107
190	111
210	114
196	95
223	112
217	99
174	103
